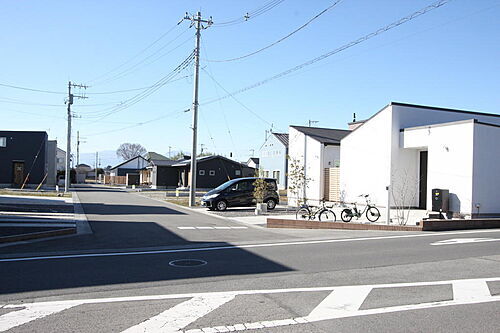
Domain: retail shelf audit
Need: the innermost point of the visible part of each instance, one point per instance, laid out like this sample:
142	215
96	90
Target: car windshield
225	185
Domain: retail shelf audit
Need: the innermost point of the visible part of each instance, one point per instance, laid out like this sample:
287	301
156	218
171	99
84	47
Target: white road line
470	290
181	315
32	312
455	241
186	228
222	228
249	246
210	228
205	228
38	310
341	301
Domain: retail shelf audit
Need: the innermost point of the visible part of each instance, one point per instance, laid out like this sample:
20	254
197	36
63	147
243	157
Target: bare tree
130	150
403	193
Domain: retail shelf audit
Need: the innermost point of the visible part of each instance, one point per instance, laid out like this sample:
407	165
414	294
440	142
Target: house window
276	175
237	172
201	172
265	173
3	141
211	172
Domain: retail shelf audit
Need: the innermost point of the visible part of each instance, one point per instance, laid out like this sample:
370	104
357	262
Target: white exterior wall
486	174
300	144
365	157
450	160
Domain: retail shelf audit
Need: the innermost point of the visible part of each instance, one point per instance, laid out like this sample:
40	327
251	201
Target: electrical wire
135	56
141	64
139	97
32	89
250	15
133	89
281	39
386	28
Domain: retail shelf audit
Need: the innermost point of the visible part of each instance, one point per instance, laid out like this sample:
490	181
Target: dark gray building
23	158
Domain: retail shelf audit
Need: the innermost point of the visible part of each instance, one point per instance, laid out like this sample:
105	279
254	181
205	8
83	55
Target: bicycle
306	212
372	212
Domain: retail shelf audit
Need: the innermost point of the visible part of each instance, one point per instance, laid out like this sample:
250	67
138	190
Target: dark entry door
422	202
18	173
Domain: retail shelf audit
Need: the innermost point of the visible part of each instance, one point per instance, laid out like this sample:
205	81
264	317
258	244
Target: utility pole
201	148
96	165
68	138
169	149
196	21
77	147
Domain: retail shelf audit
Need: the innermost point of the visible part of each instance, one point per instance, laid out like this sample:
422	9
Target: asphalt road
126	276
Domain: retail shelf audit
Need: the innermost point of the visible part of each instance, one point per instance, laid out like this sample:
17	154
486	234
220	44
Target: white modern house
132	166
316	151
414	149
273	158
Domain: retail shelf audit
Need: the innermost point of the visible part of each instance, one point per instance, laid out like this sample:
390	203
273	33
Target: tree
403	191
297	181
130	150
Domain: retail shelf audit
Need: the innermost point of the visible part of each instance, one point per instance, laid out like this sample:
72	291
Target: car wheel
271	204
221	205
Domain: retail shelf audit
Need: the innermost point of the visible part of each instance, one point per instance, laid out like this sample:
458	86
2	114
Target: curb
82	224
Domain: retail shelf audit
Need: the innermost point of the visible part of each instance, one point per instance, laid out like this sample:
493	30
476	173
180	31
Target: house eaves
326	136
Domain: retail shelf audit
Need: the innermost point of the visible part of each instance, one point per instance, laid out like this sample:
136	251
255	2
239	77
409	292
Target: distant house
253	162
212	171
273	158
132	166
60	159
157	171
315	150
23	158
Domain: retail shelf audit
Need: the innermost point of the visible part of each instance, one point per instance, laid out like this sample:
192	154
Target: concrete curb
82	224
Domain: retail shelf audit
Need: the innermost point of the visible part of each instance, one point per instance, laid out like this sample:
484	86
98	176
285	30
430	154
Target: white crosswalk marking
468	290
341	301
181	315
31	312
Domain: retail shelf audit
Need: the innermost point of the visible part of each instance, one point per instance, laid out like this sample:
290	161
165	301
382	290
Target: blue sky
447	57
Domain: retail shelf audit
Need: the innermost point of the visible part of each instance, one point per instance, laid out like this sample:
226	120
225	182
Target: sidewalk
27	217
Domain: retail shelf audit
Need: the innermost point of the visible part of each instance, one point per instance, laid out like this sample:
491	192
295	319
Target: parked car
239	193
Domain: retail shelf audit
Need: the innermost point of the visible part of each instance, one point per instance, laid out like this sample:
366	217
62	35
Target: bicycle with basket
372	212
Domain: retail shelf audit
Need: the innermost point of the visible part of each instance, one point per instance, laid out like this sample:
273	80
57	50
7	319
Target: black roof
282	137
206	158
329	136
133	158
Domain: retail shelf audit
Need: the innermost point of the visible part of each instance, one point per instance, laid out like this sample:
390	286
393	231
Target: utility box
440	199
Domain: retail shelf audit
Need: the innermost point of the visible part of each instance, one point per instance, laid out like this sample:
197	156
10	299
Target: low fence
115	180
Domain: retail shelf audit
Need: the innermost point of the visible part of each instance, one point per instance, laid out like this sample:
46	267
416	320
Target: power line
132	89
32	89
250	15
137	65
337	50
135	56
281	39
235	99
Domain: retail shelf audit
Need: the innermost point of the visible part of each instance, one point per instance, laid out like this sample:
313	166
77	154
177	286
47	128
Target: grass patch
183	201
33	193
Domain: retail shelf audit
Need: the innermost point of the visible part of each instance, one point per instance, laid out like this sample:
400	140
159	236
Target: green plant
297	180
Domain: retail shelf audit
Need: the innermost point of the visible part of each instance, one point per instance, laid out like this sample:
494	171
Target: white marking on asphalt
34	311
341	301
187	228
454	241
210	228
470	290
249	246
181	315
205	228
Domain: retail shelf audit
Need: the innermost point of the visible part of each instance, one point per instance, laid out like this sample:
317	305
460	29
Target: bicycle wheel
303	214
327	215
346	215
372	214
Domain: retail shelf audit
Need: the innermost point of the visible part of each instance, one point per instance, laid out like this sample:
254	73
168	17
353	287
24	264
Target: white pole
388	204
